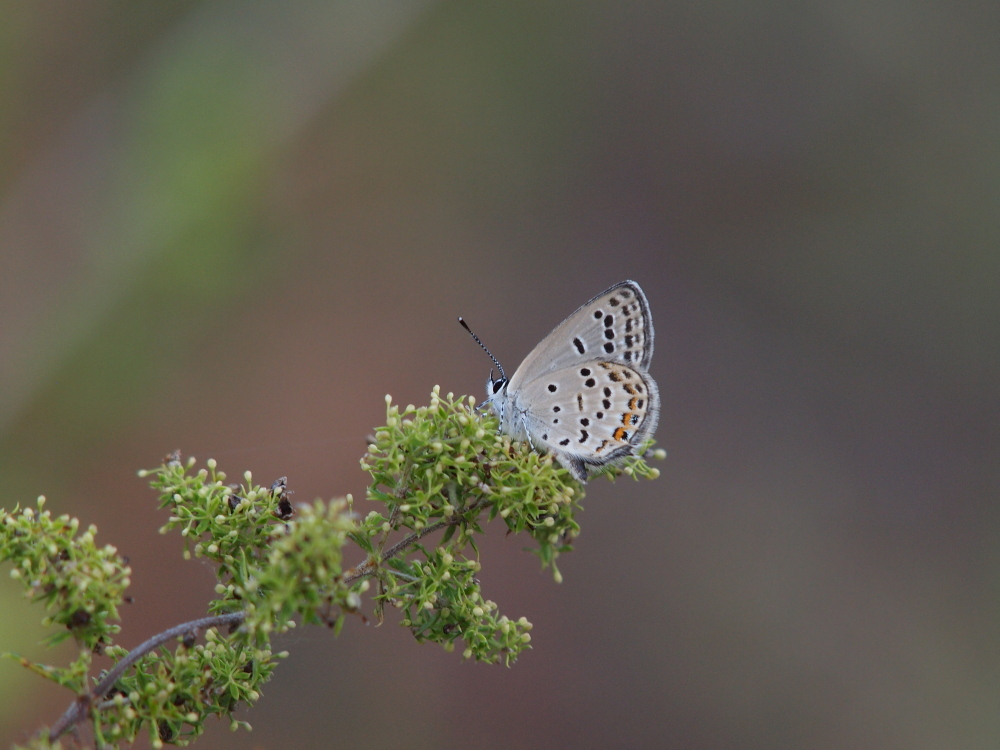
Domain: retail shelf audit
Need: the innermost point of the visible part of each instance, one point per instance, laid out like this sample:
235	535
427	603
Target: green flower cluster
231	525
443	602
432	464
81	584
444	466
303	575
172	693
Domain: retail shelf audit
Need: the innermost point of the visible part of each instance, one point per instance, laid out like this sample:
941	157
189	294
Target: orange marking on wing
629	389
620	435
632	401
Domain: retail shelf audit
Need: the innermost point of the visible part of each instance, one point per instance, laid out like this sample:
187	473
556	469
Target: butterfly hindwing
615	326
592	413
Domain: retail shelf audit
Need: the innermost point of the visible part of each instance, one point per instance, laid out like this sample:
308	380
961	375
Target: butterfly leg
524	424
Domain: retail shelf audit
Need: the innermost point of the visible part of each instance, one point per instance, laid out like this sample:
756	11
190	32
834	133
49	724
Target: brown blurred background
233	227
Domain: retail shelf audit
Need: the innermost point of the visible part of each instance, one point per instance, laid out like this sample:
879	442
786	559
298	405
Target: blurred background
233	227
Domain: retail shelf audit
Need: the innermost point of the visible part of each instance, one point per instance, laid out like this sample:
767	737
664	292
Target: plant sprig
437	468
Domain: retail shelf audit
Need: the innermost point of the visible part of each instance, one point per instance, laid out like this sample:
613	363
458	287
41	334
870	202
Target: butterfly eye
498	384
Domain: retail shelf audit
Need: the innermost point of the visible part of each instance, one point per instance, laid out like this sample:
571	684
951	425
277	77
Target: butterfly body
584	393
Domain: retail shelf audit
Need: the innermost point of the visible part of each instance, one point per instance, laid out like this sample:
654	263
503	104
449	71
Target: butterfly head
495	386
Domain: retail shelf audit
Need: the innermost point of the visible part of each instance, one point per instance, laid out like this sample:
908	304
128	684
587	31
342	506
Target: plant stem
79	707
369	566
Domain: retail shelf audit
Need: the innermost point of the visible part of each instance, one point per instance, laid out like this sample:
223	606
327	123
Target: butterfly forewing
615	326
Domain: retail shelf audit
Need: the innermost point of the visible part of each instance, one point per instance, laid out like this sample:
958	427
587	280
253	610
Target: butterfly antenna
495	361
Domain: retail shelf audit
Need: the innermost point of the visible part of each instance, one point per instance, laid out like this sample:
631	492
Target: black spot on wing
579	346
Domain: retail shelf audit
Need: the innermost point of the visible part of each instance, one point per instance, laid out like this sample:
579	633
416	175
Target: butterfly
584	393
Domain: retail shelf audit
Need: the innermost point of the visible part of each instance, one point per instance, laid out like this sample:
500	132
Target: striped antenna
495	361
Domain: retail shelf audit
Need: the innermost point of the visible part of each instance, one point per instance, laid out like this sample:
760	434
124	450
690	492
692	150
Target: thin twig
79	707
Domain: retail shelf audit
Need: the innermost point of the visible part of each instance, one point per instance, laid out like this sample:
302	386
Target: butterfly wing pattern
585	393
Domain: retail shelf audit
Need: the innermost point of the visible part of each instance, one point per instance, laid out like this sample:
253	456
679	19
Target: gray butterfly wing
615	326
591	413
